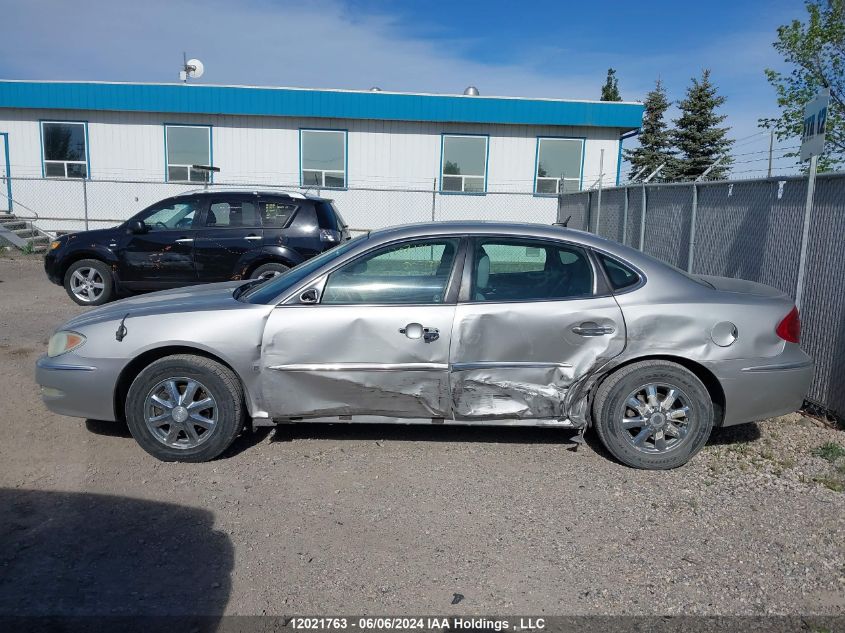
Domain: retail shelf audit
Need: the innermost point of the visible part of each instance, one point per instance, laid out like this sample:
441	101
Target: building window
464	164
65	149
323	158
185	146
558	165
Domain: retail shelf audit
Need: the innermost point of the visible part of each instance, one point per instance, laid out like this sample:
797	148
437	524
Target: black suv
196	237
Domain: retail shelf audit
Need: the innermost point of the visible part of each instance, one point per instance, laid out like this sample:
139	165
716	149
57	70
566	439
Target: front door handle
184	240
591	328
415	331
252	237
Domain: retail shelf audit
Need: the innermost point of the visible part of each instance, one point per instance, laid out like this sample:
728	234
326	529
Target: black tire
611	405
95	271
269	270
216	380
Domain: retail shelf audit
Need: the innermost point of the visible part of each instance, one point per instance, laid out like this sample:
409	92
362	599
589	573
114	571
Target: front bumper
51	267
76	388
756	389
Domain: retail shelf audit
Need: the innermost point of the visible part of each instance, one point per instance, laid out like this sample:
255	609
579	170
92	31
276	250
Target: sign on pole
812	144
815	119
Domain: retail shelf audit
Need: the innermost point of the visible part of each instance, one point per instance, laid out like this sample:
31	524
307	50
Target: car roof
251	191
517	230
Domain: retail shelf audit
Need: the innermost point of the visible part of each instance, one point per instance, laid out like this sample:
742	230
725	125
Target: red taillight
790	328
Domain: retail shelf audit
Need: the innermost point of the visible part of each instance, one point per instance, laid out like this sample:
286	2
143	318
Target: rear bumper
77	389
756	389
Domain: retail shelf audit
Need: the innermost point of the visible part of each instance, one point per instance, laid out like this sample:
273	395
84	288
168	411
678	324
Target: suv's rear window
328	217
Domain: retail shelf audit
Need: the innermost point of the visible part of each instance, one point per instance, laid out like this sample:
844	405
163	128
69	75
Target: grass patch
830	451
833	483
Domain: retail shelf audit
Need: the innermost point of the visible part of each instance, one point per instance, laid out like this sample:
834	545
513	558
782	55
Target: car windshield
269	290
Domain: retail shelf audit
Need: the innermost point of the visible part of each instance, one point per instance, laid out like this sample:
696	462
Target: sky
533	49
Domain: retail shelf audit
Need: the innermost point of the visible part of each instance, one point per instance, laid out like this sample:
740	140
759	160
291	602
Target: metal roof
322	103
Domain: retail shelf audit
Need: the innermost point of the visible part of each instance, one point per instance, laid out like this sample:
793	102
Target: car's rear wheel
89	282
185	408
268	271
653	414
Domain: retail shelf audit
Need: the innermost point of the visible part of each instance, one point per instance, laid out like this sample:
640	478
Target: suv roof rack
221	189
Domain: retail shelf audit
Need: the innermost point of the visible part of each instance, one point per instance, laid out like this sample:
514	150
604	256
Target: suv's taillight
789	329
329	236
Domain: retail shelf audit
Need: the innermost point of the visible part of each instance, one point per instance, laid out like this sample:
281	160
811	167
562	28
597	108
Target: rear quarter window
276	214
620	275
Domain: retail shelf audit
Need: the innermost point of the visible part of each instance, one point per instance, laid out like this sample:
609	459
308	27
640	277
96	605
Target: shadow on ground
77	561
423	433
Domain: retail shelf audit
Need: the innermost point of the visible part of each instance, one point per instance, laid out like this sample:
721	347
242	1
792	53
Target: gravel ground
376	519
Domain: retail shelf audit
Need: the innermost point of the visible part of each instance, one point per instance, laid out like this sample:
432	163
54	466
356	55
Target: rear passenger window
232	214
620	275
276	214
516	270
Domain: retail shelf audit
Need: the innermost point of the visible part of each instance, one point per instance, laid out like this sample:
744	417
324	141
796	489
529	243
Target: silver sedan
470	323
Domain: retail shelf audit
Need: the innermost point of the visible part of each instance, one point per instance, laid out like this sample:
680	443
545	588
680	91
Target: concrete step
13	225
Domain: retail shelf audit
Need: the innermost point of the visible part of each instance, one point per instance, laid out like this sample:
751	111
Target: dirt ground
397	520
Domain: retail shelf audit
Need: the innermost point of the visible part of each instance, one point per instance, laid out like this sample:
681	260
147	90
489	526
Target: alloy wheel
180	412
656	417
87	284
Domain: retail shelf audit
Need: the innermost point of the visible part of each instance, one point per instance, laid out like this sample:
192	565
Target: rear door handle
591	328
184	240
252	237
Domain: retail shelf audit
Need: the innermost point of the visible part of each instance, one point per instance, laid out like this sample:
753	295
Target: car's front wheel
185	408
89	282
653	414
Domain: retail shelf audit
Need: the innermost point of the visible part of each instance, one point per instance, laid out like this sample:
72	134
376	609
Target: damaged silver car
449	323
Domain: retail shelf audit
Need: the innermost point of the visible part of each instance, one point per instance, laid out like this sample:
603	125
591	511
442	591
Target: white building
456	151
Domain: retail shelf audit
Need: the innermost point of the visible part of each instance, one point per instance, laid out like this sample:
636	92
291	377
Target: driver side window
408	273
172	216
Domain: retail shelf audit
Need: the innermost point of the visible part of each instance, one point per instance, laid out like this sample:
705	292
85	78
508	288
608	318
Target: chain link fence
750	229
58	205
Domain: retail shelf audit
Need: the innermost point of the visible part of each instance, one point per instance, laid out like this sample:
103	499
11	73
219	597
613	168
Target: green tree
610	89
816	52
655	146
697	137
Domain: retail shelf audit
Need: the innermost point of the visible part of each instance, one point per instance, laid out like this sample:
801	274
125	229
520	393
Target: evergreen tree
655	141
610	89
697	137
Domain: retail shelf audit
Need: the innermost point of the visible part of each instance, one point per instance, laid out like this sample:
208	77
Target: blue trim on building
210	149
345	155
443	135
5	136
583	140
41	123
256	101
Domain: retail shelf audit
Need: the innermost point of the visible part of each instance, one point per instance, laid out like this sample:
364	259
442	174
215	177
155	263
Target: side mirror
136	226
309	296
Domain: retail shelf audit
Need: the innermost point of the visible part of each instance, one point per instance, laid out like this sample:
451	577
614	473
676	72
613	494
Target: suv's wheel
268	271
89	282
653	414
185	408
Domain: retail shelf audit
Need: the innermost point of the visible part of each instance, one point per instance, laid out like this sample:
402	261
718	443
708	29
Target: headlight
63	342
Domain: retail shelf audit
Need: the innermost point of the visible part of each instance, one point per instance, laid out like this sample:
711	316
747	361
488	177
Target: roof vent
471	91
375	89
